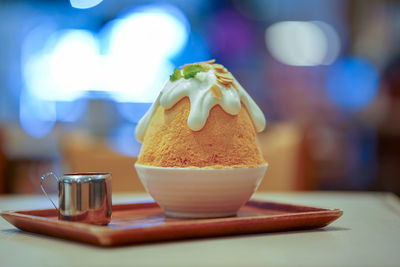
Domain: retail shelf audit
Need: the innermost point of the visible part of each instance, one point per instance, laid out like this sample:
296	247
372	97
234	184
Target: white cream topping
201	102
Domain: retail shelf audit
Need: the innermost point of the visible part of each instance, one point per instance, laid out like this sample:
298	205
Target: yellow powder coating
225	141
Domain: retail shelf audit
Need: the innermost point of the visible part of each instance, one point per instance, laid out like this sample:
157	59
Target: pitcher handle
44	176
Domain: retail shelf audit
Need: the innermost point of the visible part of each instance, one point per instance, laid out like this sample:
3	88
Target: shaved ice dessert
200	156
207	120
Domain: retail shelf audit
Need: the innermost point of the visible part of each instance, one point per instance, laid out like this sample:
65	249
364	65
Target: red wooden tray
145	222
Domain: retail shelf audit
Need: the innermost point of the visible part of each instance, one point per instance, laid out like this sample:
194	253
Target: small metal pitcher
83	197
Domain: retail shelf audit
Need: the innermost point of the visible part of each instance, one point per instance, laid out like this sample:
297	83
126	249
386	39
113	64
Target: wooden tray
145	222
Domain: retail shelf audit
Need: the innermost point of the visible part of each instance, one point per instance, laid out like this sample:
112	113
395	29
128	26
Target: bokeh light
128	61
37	117
333	42
122	141
352	83
156	30
302	43
132	65
84	4
139	47
70	111
65	68
74	63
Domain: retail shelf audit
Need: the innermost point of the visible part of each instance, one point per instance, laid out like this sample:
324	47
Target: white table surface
368	234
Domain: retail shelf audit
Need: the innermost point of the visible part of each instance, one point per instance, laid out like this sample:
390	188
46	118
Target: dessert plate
146	222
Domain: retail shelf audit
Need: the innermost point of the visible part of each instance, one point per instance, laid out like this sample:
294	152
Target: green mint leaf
175	76
191	70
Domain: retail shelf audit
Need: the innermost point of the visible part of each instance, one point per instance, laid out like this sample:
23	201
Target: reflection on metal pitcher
83	197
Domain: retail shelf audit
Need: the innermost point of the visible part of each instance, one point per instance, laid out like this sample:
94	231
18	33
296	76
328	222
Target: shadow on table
17	234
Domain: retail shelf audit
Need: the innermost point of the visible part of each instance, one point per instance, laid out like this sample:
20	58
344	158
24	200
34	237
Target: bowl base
188	215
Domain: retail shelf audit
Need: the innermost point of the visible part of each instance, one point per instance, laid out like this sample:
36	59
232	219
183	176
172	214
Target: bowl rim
265	165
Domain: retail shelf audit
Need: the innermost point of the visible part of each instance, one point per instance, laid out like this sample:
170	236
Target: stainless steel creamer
83	197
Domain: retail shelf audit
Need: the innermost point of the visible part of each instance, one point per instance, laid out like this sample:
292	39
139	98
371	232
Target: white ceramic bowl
200	192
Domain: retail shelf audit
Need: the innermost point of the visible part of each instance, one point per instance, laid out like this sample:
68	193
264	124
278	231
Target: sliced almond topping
218	66
211	61
225	76
223	82
206	66
202	63
221	70
216	91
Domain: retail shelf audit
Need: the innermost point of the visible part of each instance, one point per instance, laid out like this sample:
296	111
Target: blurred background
76	76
